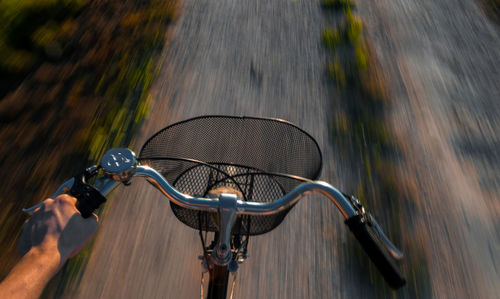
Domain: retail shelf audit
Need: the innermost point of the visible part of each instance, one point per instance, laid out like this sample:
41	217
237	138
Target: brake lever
64	188
389	246
118	165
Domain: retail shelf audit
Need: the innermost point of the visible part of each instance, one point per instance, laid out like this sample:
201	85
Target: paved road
263	58
256	58
444	58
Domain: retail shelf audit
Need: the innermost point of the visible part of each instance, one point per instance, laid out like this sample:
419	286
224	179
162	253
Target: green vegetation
350	43
492	8
86	69
337	4
31	29
360	128
347	33
331	38
337	72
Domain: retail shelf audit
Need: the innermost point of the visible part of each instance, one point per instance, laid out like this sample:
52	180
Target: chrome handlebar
106	184
120	166
244	207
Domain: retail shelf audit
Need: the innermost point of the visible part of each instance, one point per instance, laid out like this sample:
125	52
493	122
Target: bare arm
28	278
55	233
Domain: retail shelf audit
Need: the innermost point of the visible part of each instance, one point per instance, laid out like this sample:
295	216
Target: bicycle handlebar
244	207
120	167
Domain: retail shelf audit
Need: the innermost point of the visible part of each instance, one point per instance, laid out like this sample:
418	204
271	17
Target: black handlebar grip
88	198
370	242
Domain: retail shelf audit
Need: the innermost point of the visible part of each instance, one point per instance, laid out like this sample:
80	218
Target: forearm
29	277
53	234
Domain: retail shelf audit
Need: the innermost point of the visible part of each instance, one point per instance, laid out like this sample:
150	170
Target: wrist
48	255
28	278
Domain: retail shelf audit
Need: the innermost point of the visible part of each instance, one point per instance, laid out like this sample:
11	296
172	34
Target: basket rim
279	120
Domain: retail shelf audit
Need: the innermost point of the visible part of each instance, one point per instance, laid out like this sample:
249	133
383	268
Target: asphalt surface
254	58
263	58
444	58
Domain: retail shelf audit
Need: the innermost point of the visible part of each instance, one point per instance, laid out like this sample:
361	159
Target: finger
94	216
48	203
66	198
49	200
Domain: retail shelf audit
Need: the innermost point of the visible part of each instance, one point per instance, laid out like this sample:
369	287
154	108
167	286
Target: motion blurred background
402	96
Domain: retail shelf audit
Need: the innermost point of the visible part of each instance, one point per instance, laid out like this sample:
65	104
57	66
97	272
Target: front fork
218	276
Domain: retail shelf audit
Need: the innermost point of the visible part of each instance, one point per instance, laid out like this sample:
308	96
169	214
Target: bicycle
227	184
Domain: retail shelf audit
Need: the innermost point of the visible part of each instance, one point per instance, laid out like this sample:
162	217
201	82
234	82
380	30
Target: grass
349	42
492	8
362	131
347	33
332	38
337	4
32	29
337	73
85	77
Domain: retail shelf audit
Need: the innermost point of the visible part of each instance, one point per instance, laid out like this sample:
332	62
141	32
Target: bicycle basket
262	158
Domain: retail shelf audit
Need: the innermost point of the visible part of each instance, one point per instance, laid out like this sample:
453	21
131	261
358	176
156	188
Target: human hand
54	233
57	228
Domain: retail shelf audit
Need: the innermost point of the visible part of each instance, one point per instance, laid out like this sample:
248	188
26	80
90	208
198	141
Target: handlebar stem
226	219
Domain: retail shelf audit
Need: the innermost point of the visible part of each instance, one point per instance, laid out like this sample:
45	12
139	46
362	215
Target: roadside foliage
74	76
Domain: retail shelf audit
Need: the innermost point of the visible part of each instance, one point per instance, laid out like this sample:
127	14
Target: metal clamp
227	217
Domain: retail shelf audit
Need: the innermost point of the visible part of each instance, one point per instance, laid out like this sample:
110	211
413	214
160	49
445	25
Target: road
263	58
251	58
444	58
